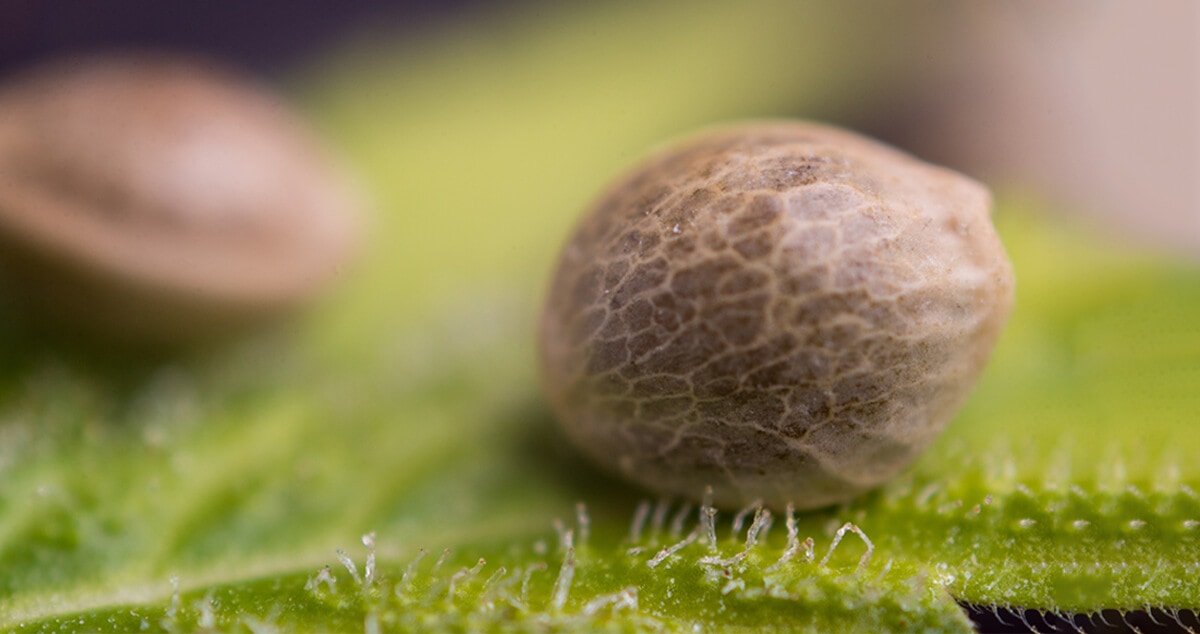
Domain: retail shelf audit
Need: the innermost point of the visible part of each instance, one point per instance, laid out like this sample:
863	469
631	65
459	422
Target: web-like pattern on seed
783	312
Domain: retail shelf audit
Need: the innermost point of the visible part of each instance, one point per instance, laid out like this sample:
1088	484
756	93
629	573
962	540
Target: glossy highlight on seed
783	311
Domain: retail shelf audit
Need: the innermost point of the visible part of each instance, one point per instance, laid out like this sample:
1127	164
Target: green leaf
214	492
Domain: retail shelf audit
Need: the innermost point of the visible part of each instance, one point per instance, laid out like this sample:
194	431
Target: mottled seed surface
162	199
784	311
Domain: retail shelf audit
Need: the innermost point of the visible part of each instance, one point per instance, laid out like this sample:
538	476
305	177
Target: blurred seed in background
153	199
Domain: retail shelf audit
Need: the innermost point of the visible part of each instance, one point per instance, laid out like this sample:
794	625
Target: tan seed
162	200
782	310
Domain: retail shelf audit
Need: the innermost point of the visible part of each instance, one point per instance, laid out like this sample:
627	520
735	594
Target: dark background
264	38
